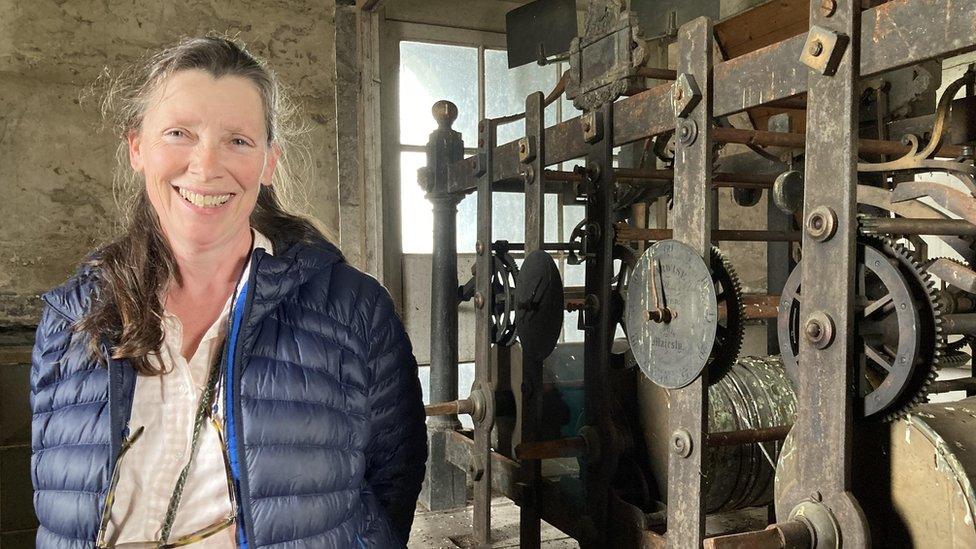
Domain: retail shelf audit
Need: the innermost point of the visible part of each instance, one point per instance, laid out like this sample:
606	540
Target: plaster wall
56	168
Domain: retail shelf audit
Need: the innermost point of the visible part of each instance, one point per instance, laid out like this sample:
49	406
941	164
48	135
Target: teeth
204	201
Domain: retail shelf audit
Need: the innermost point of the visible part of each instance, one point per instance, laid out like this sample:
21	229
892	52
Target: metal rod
948	385
626	233
959	323
748	436
453	407
664	177
903	226
551	449
798	141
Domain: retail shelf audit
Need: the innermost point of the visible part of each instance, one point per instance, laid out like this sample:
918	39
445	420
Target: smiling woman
260	390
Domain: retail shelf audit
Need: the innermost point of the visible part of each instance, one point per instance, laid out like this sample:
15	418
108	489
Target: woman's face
204	154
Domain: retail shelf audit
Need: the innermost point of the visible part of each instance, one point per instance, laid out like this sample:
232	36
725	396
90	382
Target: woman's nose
205	161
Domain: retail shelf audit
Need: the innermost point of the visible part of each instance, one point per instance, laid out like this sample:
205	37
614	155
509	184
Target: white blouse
166	405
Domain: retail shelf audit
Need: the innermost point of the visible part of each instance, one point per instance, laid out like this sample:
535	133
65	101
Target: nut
816	48
821	224
819	330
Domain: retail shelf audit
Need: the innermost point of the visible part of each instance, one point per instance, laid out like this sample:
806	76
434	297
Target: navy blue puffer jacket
325	422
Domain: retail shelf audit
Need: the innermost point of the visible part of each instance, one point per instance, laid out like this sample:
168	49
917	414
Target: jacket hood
276	276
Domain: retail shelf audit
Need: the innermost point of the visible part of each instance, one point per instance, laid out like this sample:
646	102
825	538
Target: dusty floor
452	529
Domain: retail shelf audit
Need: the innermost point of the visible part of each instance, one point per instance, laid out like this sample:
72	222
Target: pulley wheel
538	305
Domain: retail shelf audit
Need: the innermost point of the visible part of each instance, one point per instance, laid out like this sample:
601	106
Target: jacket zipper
233	406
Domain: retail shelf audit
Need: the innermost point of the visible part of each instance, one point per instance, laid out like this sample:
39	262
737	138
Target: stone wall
56	168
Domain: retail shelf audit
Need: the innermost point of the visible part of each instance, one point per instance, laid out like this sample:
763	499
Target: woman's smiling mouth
203	200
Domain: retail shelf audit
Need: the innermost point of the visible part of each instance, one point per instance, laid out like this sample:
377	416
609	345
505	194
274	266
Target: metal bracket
526	149
592	123
823	50
685	95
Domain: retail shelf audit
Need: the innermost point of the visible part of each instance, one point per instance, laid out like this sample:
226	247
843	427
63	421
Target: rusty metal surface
927	29
598	326
484	367
955	201
532	150
627	233
824	428
953	273
693	213
902	226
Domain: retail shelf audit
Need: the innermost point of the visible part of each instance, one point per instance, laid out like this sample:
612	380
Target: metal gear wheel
731	324
899	324
503	277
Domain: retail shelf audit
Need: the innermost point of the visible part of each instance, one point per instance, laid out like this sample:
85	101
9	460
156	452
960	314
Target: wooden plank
762	26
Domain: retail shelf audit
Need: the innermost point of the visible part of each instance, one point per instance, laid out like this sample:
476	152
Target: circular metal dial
672	313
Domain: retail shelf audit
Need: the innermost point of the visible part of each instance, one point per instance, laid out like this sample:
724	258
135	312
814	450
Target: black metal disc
538	305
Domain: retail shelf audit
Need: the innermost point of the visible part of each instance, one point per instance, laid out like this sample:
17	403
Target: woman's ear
135	150
270	163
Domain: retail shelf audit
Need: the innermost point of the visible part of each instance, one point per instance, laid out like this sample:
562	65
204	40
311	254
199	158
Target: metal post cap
445	113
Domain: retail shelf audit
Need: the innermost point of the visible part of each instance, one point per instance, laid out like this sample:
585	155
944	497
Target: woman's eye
240	142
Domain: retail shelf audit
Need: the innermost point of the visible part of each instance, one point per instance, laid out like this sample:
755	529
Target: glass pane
467	224
416	212
429	73
506	90
508	217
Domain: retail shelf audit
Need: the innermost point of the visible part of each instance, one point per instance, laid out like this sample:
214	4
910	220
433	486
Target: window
476	79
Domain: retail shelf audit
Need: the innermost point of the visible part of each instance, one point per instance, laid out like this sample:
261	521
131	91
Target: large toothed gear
899	320
932	340
728	335
950	297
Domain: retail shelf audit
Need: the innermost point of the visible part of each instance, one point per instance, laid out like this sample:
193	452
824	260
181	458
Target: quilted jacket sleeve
397	450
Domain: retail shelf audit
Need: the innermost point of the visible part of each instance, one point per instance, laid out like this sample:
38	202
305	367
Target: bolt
479	247
816	48
522	147
679	94
684	132
813	331
679	444
479	300
827	7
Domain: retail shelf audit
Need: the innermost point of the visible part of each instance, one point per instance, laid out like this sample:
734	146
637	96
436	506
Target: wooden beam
367	5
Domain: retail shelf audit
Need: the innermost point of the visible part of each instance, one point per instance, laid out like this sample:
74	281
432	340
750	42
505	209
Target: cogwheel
948	296
728	337
933	342
954	357
899	327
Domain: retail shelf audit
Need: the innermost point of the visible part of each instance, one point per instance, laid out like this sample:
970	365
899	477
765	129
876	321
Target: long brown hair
135	268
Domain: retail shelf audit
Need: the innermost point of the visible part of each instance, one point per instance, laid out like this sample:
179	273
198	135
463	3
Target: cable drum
755	394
